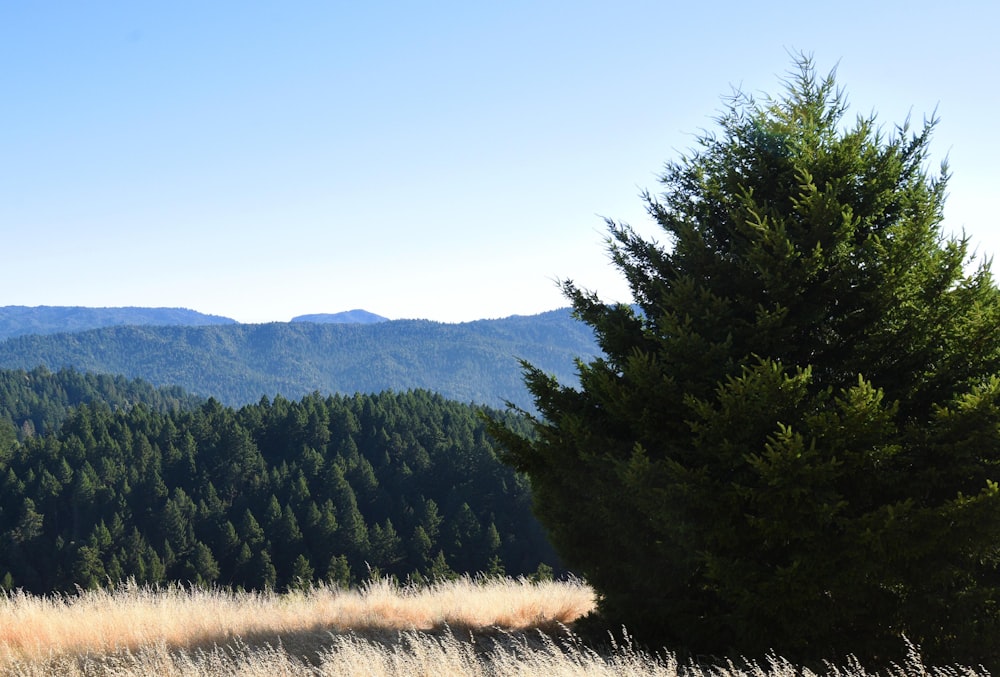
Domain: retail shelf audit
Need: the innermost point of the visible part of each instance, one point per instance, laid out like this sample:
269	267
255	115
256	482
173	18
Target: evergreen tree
790	442
302	574
386	548
88	570
250	530
201	568
420	547
242	571
339	572
439	569
262	572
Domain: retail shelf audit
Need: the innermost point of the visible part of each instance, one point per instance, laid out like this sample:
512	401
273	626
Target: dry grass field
461	628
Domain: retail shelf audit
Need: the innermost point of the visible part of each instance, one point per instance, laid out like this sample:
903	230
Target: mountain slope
238	364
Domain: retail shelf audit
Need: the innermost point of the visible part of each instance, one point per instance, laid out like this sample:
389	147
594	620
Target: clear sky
441	160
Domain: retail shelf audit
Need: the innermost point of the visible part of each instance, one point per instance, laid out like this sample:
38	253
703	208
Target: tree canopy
791	442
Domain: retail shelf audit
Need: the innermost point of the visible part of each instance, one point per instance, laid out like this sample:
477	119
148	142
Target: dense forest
37	401
240	363
272	495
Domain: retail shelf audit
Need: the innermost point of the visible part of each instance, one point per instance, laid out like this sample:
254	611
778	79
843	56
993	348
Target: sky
440	160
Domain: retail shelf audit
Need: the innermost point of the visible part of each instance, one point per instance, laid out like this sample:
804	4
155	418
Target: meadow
461	628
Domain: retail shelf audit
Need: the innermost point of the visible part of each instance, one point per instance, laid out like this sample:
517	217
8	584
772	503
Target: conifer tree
791	440
302	574
339	572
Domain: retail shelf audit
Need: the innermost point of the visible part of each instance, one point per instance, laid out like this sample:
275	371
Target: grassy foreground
457	628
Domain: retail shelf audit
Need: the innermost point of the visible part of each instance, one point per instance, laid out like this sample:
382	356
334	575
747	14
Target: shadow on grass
311	644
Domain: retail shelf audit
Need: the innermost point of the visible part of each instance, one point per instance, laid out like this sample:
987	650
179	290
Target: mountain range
237	364
22	320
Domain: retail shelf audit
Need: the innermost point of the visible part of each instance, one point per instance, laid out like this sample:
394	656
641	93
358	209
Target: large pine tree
791	442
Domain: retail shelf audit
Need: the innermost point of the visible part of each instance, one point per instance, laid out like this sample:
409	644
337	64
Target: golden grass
464	628
132	619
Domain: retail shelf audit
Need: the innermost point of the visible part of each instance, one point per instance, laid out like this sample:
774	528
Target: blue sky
443	160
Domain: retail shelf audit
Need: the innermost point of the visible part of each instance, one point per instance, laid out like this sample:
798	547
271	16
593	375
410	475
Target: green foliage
791	442
277	495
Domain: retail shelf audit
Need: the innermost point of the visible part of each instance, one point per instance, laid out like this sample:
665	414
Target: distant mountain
240	363
22	320
356	316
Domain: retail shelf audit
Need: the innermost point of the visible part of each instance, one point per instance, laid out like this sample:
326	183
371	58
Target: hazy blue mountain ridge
357	316
240	363
22	320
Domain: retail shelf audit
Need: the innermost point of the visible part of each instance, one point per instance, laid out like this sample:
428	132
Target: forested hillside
22	320
274	494
37	401
238	364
